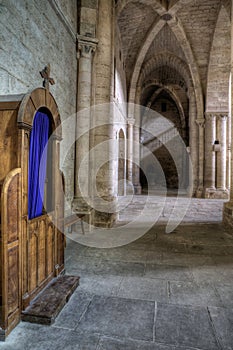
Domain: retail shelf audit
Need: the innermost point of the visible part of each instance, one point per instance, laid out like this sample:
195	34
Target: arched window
38	164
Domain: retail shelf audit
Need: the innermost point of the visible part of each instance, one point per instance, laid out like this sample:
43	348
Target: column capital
200	122
191	91
131	121
223	116
86	46
210	115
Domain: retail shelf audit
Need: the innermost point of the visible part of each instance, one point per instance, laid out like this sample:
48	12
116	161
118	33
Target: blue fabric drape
37	164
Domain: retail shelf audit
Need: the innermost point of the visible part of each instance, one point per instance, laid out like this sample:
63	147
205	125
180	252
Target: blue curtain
37	164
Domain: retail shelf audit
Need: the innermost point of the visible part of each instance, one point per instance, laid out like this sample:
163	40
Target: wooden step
49	302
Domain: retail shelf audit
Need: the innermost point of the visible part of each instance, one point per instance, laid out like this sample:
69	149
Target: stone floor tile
226	294
192	293
116	344
168	272
119	268
143	288
118	254
35	337
154	257
186	259
82	266
220	274
72	312
107	343
223	261
184	326
223	323
124	318
205	249
101	285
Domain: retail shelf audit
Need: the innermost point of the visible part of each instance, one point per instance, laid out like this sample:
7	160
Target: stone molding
63	18
200	123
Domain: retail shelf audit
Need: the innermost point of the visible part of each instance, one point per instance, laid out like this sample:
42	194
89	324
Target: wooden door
11	251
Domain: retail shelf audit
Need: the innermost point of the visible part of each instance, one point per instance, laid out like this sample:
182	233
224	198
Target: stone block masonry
32	35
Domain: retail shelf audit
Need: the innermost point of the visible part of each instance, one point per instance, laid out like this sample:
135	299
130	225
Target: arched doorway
164	105
121	163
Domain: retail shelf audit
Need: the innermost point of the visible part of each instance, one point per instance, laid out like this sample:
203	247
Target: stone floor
161	292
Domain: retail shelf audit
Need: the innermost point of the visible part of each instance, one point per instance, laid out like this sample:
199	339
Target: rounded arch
35	100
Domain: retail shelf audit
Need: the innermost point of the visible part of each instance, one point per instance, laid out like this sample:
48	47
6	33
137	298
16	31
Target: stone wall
219	65
32	34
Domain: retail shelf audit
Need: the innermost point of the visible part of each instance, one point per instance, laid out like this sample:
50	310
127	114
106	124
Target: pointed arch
179	32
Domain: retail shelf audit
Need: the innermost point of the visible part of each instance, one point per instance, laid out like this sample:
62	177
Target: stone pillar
130	149
193	140
210	163
103	182
201	124
222	154
86	48
228	207
228	181
136	165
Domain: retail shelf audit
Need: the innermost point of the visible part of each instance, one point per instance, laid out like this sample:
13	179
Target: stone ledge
46	306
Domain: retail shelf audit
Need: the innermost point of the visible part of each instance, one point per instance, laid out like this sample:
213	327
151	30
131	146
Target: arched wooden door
42	241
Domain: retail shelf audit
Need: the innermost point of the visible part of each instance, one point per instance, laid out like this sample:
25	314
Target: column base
103	218
80	204
216	193
199	192
228	216
137	189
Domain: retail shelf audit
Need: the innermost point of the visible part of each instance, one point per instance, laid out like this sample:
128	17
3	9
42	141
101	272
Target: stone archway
121	163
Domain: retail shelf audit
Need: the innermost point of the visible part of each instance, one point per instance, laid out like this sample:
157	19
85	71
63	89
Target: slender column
86	48
193	140
136	165
130	149
201	124
221	155
228	207
228	181
210	137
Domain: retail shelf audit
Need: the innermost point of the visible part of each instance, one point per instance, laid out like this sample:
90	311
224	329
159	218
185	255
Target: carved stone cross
45	73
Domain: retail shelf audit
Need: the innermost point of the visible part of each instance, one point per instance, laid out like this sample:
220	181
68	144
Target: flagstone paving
161	292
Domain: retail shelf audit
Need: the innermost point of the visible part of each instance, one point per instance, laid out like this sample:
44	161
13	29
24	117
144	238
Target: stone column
228	207
201	124
222	154
130	149
136	157
103	136
228	181
210	166
86	48
193	139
